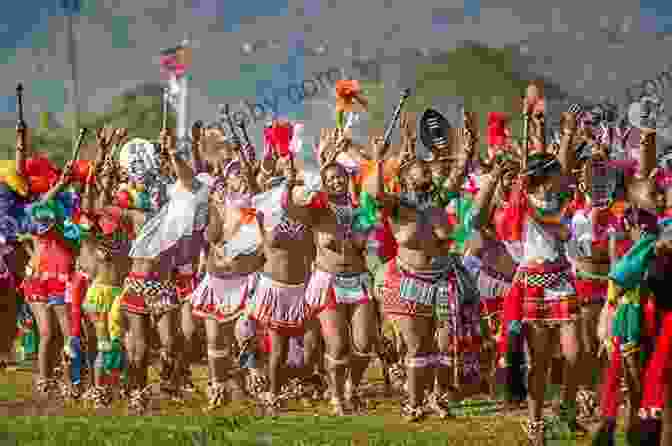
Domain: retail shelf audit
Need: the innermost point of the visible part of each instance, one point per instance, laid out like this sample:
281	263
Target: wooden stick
21	124
405	94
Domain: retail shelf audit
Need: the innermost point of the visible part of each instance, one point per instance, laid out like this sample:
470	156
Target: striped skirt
280	307
143	294
221	298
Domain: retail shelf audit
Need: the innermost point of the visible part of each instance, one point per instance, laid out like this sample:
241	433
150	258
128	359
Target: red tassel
649	316
658	370
78	286
611	389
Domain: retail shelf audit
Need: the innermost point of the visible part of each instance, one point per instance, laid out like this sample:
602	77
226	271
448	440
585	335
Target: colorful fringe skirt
222	298
404	294
280	307
326	290
493	286
99	298
145	294
591	289
542	295
45	288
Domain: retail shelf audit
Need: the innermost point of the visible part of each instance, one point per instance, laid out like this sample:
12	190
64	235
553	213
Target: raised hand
568	123
408	128
378	147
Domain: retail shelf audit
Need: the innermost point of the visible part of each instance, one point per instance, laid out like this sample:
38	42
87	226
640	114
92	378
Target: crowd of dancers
487	267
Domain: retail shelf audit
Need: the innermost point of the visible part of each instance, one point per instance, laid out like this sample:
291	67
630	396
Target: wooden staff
526	136
164	110
405	94
78	144
229	122
243	131
20	124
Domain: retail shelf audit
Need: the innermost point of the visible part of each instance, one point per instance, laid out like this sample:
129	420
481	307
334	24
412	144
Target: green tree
141	115
484	77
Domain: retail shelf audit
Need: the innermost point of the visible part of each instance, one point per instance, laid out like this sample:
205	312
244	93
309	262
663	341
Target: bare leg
277	368
45	326
633	373
418	335
571	352
219	339
590	364
539	338
364	340
446	391
139	326
167	328
188	325
335	332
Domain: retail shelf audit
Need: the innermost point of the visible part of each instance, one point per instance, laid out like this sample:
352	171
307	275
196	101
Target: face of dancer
418	178
336	180
648	196
236	183
545	193
215	143
440	170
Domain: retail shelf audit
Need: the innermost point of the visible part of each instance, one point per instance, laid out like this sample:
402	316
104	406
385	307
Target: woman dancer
108	234
488	258
412	286
52	259
594	212
629	342
279	299
233	259
339	290
149	295
542	296
206	142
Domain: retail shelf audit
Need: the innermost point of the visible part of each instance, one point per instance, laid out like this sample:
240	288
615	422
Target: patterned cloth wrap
591	289
326	290
545	293
434	294
280	307
144	294
222	298
493	286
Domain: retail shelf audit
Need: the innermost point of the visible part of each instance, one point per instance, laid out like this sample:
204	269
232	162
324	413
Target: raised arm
466	139
486	192
197	140
296	211
249	171
647	152
184	172
567	153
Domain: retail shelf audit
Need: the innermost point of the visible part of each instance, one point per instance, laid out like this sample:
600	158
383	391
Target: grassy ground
32	423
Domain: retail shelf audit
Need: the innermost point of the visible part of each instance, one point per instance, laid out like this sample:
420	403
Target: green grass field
238	424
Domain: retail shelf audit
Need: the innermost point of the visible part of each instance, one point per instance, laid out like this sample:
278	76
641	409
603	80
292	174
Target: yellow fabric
99	298
114	318
612	293
9	176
